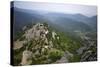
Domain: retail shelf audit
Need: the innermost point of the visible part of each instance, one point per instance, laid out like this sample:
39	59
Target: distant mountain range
60	21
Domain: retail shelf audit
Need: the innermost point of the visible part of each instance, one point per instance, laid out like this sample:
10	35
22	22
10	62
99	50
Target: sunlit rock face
26	59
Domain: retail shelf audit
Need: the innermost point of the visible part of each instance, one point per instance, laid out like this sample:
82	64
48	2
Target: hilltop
38	45
41	44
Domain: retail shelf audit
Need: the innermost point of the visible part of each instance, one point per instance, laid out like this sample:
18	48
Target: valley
50	37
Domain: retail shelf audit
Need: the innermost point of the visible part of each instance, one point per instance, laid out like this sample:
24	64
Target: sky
58	7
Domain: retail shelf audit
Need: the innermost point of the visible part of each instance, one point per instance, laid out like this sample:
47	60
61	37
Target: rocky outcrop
39	42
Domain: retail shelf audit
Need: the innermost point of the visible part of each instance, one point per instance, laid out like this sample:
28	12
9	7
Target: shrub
75	58
55	54
22	38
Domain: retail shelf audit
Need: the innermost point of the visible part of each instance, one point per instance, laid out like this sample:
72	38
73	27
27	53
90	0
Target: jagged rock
53	35
18	44
26	58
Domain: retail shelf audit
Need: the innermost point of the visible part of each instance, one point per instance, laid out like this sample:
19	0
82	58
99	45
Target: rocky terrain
89	48
40	44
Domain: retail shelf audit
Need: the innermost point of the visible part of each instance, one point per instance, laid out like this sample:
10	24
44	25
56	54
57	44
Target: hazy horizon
55	7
